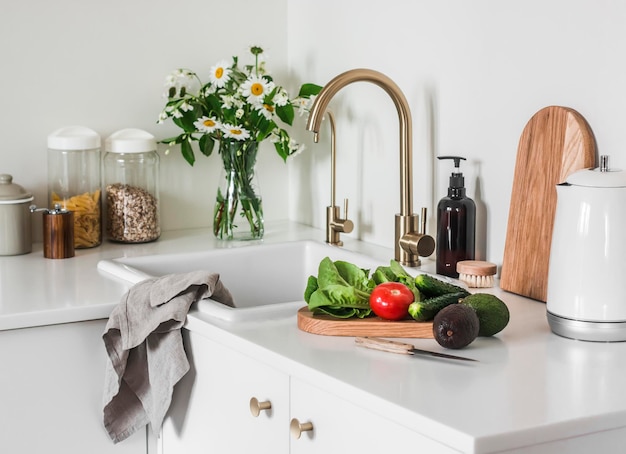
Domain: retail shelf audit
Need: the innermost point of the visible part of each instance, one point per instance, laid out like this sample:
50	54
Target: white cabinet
210	412
339	426
51	385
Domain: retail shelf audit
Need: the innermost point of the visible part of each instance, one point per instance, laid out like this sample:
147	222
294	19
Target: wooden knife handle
376	343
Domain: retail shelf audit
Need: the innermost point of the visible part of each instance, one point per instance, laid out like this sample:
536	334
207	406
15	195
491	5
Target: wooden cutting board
371	326
556	142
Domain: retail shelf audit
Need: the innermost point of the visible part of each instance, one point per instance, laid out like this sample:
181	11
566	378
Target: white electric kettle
586	297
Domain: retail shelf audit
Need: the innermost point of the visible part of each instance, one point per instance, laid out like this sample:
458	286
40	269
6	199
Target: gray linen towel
145	348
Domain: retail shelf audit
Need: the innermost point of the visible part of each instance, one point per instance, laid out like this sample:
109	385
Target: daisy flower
267	110
235	132
206	125
254	89
220	74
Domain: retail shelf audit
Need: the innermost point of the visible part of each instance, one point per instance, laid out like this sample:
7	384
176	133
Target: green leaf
173	140
282	149
206	145
341	289
311	286
337	295
286	113
397	269
382	274
343	312
327	274
353	275
188	117
307	90
214	105
265	127
187	151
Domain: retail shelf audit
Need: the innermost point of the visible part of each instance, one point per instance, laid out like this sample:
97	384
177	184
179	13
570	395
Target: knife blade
376	343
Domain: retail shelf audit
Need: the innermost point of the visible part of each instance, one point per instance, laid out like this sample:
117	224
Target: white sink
267	280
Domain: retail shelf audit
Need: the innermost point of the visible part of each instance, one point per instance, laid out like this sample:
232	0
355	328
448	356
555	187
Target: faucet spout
404	116
409	242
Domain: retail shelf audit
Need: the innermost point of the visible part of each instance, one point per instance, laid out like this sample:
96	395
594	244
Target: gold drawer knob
257	407
296	428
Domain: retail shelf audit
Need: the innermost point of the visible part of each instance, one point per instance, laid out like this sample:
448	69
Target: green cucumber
424	311
430	286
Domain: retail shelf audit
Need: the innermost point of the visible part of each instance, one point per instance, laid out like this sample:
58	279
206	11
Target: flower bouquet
238	108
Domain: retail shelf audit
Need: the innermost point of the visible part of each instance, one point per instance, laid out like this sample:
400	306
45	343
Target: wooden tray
371	326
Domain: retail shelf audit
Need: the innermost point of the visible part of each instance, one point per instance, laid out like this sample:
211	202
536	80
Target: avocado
456	326
423	311
492	312
430	286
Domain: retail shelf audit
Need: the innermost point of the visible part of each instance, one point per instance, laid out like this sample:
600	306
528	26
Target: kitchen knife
376	343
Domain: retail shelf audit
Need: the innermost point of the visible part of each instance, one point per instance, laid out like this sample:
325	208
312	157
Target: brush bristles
474	281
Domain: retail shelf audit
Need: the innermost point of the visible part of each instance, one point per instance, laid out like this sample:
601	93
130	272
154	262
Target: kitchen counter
35	291
529	387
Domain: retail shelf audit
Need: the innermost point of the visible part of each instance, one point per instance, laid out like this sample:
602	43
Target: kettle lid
600	177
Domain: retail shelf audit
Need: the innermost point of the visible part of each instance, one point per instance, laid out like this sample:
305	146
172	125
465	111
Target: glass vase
238	213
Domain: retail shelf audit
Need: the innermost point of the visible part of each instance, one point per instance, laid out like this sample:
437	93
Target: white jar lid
74	138
130	141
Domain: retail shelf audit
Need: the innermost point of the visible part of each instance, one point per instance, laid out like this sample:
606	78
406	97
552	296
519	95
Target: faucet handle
422	228
413	241
348	225
335	225
338	224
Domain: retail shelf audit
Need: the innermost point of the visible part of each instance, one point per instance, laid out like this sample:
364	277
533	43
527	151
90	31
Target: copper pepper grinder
58	232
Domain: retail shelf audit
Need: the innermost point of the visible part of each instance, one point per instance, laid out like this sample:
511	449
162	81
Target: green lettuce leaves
342	289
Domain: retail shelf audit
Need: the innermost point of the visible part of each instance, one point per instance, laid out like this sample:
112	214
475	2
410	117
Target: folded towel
145	348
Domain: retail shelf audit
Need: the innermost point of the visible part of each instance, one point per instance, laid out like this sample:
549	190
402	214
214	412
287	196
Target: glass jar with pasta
74	180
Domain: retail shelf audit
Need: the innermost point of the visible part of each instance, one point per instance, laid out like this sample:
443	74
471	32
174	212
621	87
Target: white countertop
529	384
36	291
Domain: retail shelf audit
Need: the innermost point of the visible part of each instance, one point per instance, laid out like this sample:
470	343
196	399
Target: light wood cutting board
556	142
370	326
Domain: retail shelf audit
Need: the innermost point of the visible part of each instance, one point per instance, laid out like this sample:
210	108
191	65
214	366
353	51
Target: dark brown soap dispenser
456	224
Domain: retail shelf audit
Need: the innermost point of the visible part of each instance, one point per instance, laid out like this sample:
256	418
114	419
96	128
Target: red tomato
391	300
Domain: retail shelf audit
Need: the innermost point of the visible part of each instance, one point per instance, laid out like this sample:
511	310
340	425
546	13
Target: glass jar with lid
131	178
74	180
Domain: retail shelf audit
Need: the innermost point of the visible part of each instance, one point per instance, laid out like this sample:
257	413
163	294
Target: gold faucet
334	224
411	242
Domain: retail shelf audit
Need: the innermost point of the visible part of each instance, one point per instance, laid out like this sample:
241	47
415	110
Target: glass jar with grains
74	180
131	174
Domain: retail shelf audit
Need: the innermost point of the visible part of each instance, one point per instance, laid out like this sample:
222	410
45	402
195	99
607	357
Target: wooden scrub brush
476	273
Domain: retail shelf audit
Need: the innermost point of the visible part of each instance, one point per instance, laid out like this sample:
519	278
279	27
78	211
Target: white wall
102	64
474	72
